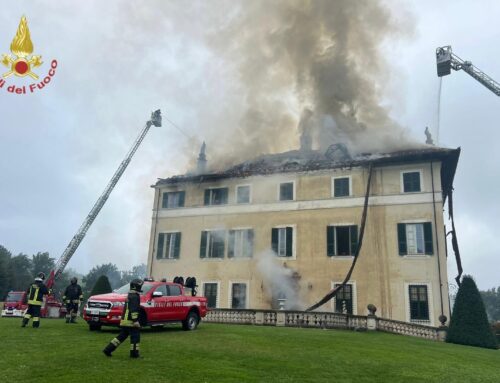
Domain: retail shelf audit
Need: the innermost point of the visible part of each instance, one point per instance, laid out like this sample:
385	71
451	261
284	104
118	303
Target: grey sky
120	60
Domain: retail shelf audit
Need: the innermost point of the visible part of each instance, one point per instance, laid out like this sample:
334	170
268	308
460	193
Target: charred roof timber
305	161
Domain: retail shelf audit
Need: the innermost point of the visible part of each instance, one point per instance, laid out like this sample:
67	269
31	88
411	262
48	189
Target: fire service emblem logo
22	62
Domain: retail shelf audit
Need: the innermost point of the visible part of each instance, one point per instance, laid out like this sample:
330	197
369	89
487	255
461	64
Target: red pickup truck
161	303
15	305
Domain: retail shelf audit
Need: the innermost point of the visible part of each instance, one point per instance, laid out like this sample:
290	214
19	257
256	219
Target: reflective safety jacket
130	313
35	293
73	294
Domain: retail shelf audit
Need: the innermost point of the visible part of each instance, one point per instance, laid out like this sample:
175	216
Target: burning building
284	228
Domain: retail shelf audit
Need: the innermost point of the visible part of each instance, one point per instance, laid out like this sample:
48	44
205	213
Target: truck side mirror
157	294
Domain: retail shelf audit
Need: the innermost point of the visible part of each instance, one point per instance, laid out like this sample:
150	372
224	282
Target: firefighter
73	296
129	323
34	295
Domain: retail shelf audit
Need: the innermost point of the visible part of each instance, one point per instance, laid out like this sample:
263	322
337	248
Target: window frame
207	258
341	224
354	296
249	194
173	192
217	298
215	188
425	254
430	303
294	241
421	179
333	186
230	293
294	196
252	244
164	245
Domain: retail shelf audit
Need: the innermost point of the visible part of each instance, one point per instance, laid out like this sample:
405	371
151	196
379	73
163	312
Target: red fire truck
15	305
161	303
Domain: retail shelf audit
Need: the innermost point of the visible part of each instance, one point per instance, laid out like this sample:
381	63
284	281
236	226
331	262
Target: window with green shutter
411	182
212	244
169	245
341	240
240	243
216	196
341	187
419	303
415	238
172	200
282	241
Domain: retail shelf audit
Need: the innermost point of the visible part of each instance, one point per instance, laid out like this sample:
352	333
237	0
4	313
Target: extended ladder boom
80	234
446	61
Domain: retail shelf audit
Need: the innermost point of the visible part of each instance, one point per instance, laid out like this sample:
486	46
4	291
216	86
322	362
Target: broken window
216	196
171	200
212	244
341	187
239	296
243	194
286	191
240	243
169	245
411	182
419	303
282	241
341	240
344	299
210	292
415	238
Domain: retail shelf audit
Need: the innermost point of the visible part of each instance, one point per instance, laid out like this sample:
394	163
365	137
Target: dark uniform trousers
130	316
32	312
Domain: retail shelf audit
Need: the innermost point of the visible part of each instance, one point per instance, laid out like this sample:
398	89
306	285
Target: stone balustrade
324	320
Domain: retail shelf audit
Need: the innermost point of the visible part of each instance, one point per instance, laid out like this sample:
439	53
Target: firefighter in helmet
129	323
73	296
34	295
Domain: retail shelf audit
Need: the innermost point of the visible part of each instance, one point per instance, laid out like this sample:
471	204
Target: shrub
101	286
469	323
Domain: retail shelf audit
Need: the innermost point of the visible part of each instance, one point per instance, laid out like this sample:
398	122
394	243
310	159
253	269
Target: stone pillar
371	319
443	329
280	318
259	317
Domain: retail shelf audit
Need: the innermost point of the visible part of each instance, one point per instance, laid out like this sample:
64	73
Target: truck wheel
191	321
94	327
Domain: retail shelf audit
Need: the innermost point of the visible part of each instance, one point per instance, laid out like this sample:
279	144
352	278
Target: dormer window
216	196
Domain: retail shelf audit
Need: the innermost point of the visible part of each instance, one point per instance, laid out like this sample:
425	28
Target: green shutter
223	196
274	239
249	243
182	196
330	241
207	196
402	239
289	241
354	239
429	248
230	245
159	249
177	245
203	244
164	202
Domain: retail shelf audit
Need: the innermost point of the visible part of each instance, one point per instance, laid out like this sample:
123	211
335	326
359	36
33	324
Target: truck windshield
126	288
14	297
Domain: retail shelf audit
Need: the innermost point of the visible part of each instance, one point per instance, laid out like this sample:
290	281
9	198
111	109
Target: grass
60	352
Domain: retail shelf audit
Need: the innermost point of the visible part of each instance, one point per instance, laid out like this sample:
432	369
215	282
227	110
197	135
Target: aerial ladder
80	234
446	60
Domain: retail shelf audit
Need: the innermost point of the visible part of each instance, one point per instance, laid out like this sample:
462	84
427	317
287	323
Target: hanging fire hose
454	241
335	290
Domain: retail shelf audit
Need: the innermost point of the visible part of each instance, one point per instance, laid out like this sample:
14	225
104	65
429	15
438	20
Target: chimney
201	165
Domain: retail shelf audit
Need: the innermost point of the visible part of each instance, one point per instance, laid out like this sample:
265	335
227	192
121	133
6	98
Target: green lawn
57	352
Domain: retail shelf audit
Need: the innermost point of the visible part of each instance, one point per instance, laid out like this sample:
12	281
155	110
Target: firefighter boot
36	322
111	347
73	318
67	318
134	350
25	322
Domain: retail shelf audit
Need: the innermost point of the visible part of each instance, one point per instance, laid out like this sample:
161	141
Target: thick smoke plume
320	59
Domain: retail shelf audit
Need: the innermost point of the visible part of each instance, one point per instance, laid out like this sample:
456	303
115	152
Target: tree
469	323
41	262
138	271
109	269
20	271
5	257
491	299
102	286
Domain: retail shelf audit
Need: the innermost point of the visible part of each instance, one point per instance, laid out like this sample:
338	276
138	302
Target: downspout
437	238
154	234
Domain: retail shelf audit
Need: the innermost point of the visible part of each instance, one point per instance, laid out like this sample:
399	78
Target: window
341	187
419	303
162	289
411	182
239	296
415	238
171	200
344	299
216	196
341	240
286	191
210	292
169	245
174	290
282	241
240	244
243	194
212	244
